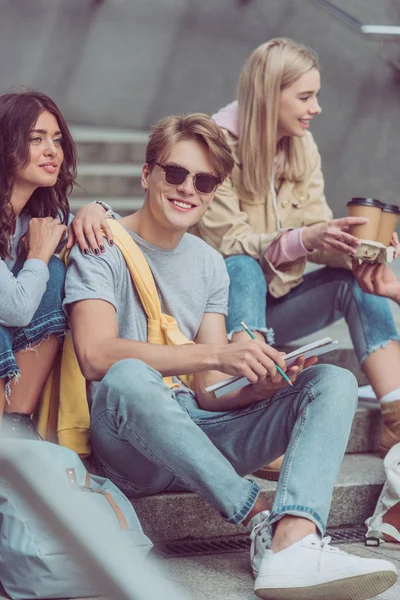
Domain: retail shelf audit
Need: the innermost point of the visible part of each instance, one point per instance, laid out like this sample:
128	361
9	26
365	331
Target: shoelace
325	547
261	529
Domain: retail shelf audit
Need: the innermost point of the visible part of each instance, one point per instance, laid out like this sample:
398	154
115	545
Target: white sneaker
312	569
261	538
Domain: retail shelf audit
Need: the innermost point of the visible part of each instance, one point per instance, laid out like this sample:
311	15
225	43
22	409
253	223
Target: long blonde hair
272	67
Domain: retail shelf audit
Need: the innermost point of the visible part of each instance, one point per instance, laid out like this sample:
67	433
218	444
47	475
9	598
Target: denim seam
10	376
286	473
259	406
57	327
268	332
362	319
7	361
298	509
365	329
240	515
371	350
159	461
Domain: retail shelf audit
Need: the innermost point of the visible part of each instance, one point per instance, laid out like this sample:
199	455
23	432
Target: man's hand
266	387
252	359
333	235
378	279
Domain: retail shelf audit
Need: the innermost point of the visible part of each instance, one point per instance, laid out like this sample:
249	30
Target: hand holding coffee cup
369	208
382	219
376	235
334	235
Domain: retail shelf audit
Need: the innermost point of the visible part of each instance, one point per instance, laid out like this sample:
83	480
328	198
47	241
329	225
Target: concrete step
366	428
228	576
109	164
107	179
122	206
178	516
109	145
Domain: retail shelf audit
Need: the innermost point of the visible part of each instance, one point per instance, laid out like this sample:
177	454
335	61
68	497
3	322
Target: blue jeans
49	319
324	296
148	438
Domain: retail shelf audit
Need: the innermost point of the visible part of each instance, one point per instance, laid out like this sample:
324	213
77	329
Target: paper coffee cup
387	224
365	207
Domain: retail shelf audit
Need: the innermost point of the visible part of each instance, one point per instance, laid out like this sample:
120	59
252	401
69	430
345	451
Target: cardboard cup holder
376	234
371	251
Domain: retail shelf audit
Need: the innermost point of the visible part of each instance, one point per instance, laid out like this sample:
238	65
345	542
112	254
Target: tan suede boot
272	470
390	426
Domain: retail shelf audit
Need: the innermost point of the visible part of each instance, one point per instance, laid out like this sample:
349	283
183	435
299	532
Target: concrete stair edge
176	516
107	169
86	134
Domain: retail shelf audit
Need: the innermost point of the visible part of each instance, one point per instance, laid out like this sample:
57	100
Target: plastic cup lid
393	208
365	202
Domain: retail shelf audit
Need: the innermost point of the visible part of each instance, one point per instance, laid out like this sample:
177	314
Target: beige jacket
236	223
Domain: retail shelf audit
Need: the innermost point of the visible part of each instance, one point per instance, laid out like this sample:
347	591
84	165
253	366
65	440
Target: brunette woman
37	173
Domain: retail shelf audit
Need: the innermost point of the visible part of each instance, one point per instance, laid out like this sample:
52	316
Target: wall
126	63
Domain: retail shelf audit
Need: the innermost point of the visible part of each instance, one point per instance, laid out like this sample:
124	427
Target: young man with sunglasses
149	437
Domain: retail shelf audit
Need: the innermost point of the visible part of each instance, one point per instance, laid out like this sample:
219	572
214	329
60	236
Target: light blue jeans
147	439
49	319
324	296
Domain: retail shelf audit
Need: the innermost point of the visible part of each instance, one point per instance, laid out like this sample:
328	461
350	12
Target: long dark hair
19	112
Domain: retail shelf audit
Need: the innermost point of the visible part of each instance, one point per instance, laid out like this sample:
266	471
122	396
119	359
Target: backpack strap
161	328
380	532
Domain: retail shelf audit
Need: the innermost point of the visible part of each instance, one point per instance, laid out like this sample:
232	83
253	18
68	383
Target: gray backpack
34	563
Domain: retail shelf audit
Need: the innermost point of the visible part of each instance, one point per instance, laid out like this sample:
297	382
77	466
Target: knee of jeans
247	272
337	385
128	380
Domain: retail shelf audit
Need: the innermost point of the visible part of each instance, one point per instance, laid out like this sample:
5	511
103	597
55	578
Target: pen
251	334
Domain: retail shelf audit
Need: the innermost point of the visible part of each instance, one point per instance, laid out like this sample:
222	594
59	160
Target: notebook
235	383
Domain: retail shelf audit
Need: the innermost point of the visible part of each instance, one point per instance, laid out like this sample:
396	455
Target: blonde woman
271	216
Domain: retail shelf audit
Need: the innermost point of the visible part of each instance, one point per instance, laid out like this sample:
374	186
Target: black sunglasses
204	183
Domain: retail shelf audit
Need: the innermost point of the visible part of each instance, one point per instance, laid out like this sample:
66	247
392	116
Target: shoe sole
361	587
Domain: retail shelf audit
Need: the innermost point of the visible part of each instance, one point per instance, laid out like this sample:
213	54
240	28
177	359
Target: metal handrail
382	32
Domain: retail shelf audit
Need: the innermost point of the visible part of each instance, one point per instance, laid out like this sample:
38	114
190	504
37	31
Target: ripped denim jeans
49	319
322	298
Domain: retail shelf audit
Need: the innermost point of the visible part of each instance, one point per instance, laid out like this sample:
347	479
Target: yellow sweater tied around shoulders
63	416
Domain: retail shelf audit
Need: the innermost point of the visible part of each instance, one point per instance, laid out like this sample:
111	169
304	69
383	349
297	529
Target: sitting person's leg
248	302
150	439
34	349
147	442
247	299
329	294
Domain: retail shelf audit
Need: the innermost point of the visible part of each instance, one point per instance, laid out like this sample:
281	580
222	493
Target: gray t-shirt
191	280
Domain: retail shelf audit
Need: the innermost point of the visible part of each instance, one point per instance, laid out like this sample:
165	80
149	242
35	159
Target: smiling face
178	207
298	104
45	155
